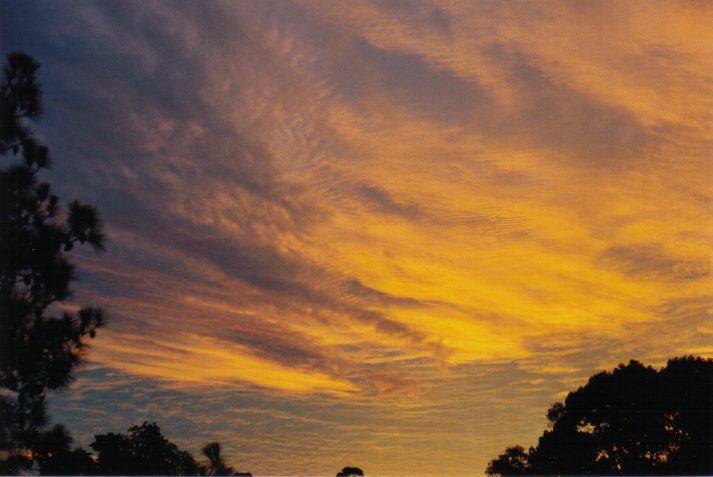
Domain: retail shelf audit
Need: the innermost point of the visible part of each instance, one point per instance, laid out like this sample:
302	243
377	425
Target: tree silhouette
350	472
216	465
512	462
66	462
38	351
634	420
143	451
216	462
54	456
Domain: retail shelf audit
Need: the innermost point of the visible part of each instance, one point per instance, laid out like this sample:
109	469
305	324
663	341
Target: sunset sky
382	234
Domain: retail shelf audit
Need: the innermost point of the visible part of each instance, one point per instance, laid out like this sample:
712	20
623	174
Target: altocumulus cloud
391	231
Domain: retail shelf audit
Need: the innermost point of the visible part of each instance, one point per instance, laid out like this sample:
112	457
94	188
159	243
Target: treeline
143	450
631	421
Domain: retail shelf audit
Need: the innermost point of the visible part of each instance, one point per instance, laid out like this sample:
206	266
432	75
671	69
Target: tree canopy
40	345
350	472
634	420
142	451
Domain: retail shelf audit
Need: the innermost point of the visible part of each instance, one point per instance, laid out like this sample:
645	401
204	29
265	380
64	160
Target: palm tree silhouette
216	464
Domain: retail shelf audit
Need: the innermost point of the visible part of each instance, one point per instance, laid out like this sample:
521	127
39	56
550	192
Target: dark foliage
634	421
53	454
38	350
142	451
350	472
66	462
512	462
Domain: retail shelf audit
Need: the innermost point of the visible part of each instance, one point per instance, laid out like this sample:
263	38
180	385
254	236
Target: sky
386	234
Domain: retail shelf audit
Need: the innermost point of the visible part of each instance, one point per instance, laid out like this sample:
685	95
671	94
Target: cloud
381	201
391	231
649	261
